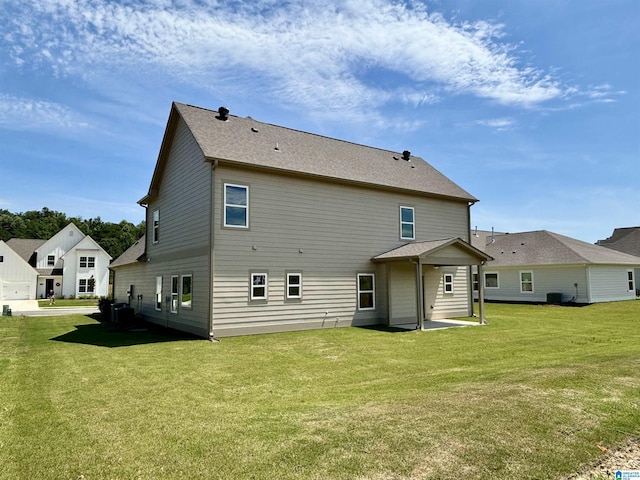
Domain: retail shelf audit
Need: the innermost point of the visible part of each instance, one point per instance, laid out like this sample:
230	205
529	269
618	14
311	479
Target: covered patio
425	282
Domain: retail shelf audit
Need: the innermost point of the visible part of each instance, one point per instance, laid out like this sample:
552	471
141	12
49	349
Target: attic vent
223	114
406	155
254	130
396	158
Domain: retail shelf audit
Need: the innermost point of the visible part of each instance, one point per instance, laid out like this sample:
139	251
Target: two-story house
255	228
69	264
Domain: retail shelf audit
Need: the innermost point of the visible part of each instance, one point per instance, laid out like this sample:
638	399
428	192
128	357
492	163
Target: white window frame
447	283
253	287
234	205
522	282
158	306
83	262
186	303
291	285
474	282
412	223
155	226
83	285
631	281
372	291
497	279
175	287
51	260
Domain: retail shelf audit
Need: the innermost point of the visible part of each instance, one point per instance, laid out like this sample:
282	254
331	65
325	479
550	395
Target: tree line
115	238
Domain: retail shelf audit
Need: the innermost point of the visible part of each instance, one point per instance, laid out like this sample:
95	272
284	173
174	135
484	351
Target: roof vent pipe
406	155
223	114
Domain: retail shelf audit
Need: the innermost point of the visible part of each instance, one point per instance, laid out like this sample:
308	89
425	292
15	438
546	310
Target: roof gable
67	237
7	250
88	243
26	248
131	254
447	248
252	144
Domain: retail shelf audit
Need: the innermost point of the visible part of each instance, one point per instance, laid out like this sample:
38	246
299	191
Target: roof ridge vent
223	114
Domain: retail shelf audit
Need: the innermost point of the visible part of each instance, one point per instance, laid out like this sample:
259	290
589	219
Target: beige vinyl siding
184	203
327	231
609	283
183	200
402	293
438	304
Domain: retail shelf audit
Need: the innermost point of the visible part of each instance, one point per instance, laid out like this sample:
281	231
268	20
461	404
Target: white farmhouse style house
256	228
68	264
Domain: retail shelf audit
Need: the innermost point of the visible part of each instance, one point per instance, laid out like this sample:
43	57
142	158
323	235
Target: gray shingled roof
248	142
131	254
547	248
625	240
26	248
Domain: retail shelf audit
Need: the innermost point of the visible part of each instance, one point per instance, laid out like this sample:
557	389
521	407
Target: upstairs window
87	262
236	206
526	282
407	223
366	291
156	226
51	260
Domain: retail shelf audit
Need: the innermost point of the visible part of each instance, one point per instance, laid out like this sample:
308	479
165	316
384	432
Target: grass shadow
111	335
385	328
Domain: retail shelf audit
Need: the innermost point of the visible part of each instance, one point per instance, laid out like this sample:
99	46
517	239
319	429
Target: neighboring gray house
528	266
255	228
70	263
626	240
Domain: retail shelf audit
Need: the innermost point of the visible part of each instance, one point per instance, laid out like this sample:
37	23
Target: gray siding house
256	228
528	266
626	240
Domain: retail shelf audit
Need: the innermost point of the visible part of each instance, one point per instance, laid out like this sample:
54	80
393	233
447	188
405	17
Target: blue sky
531	106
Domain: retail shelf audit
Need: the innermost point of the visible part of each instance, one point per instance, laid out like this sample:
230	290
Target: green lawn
69	302
530	396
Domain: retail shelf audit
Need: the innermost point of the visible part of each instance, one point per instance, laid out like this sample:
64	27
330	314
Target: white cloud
499	124
321	56
18	113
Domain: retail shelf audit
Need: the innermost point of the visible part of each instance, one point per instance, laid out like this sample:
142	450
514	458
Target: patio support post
419	294
481	294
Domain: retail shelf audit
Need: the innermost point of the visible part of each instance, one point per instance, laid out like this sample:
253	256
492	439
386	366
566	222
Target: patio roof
432	248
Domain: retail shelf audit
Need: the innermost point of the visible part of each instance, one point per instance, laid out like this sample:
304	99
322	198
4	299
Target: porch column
419	294
481	294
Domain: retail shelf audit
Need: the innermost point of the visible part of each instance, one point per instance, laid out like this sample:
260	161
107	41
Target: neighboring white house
68	264
18	279
256	228
528	266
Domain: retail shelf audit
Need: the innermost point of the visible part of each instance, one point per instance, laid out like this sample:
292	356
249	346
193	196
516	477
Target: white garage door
16	291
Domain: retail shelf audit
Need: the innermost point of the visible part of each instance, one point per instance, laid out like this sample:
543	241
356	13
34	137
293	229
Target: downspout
589	300
212	191
480	295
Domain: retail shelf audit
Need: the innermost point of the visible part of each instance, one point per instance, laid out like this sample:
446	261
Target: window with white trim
156	226
175	283
259	286
475	282
526	282
491	280
448	282
159	294
185	291
294	285
630	282
236	206
366	291
87	262
51	260
86	285
407	223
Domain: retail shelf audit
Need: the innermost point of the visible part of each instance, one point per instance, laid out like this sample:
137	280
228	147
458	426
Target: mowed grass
530	396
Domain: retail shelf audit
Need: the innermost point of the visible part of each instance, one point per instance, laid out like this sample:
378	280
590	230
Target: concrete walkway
439	324
30	308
